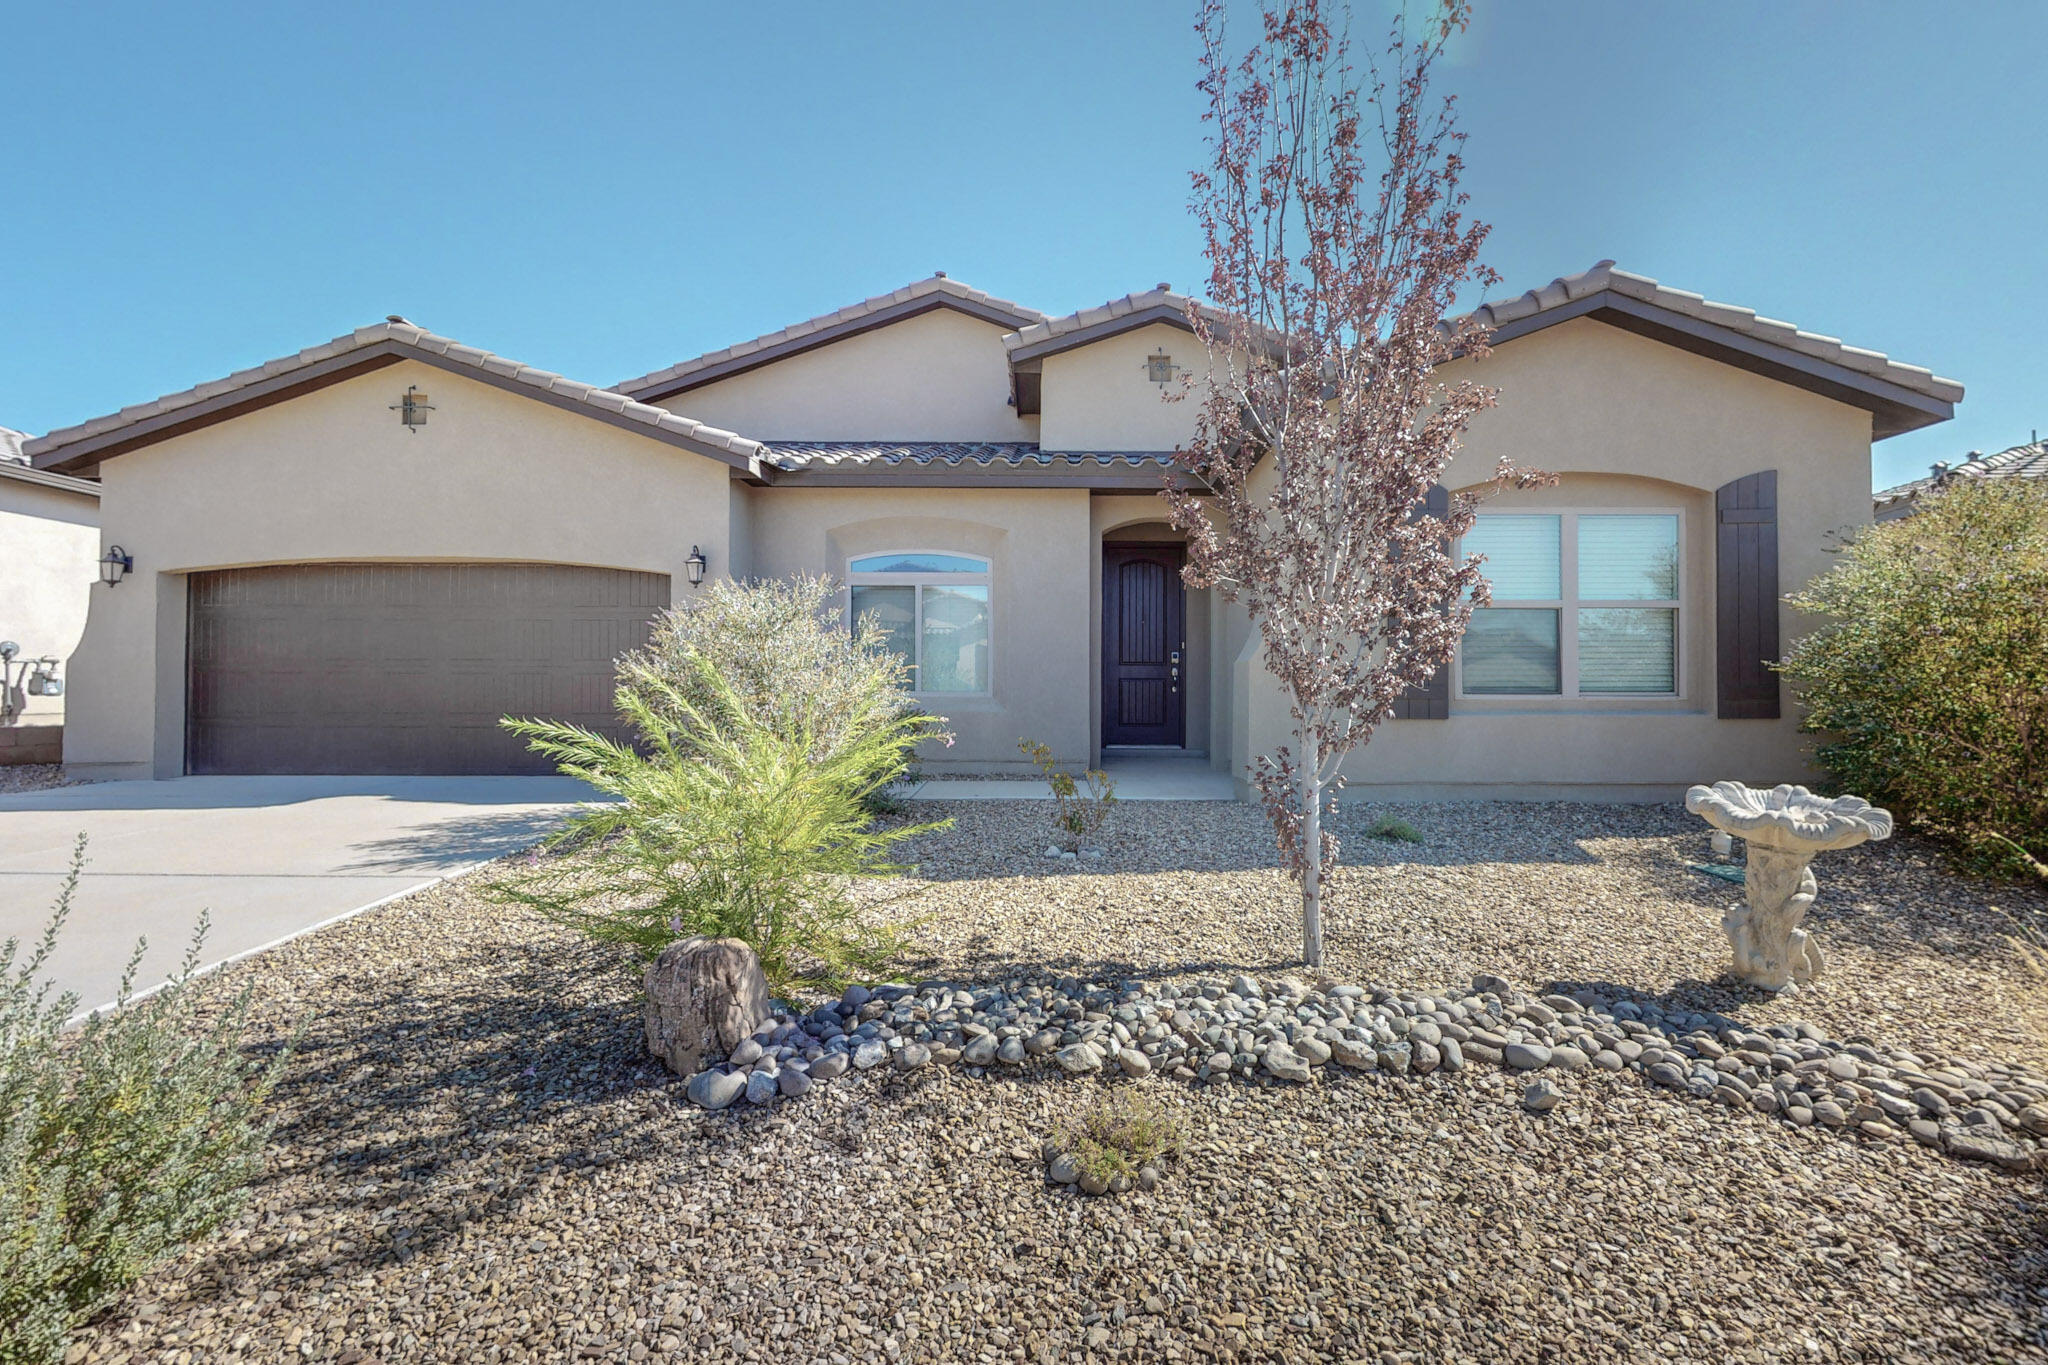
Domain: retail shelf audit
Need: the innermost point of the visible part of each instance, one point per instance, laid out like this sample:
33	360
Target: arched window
933	607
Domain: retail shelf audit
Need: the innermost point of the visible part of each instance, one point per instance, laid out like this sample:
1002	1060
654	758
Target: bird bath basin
1783	828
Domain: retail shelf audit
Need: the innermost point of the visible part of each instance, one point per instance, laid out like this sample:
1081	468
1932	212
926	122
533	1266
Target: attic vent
1159	368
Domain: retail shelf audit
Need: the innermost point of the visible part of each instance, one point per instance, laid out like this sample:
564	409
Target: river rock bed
1284	1031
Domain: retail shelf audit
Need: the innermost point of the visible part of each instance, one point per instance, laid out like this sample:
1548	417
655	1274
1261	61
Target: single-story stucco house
49	540
2029	461
356	558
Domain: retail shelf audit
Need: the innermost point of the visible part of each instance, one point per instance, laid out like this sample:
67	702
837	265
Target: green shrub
1079	807
1929	676
1394	829
117	1143
1119	1131
731	820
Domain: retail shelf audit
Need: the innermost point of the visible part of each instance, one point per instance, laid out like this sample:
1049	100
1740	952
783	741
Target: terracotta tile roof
2029	461
826	325
1606	276
1160	298
407	337
793	456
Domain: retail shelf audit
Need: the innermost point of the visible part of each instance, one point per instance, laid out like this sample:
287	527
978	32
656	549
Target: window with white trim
1585	604
933	607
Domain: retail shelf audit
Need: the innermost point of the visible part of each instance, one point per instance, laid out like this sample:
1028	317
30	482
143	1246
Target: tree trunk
1311	868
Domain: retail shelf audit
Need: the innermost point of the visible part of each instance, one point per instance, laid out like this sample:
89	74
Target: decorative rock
1284	1062
762	1087
869	1054
716	1089
1064	1170
793	1082
1526	1056
1078	1060
1148	1177
747	1053
1453	1054
1091	1183
981	1051
1352	1053
1313	1050
1135	1064
1541	1096
705	996
1011	1053
830	1066
1567	1058
913	1056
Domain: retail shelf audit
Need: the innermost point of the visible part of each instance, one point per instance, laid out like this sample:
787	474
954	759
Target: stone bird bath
1784	827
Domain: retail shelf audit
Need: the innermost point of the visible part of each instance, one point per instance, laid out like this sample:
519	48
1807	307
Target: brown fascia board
825	336
1095	480
1893	407
89	451
1100	331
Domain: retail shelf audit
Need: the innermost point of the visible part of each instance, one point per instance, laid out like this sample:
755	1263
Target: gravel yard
477	1162
32	777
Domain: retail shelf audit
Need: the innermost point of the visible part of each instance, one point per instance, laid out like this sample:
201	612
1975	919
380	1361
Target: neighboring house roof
365	349
10	444
2029	461
26	473
1899	397
910	301
992	463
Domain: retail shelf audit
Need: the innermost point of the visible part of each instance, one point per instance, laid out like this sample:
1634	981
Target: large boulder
704	997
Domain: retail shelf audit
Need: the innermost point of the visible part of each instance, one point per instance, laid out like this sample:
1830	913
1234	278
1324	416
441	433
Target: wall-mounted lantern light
412	409
694	566
117	565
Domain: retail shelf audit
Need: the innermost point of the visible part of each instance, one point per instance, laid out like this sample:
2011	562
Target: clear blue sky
603	190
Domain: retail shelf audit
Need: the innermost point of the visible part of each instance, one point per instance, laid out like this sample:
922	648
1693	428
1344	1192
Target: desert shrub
730	820
118	1142
1079	807
1928	678
1395	830
1120	1130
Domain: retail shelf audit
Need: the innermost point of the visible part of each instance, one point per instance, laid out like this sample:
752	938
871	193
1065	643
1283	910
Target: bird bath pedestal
1783	828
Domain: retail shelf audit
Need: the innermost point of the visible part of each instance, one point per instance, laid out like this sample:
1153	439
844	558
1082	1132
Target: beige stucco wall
333	475
1097	397
49	545
1038	545
1627	422
939	376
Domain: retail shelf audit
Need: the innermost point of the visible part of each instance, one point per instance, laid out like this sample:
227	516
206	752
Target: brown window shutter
1746	597
1430	700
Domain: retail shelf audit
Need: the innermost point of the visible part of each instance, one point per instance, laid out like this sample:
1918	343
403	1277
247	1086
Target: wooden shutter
1746	597
1430	700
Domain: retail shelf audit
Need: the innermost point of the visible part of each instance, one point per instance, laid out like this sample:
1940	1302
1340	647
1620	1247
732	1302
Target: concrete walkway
270	857
1138	777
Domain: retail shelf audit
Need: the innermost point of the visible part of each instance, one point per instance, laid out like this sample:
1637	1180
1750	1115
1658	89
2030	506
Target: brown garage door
401	668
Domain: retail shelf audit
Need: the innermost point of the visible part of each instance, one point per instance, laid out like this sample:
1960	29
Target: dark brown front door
1143	645
402	668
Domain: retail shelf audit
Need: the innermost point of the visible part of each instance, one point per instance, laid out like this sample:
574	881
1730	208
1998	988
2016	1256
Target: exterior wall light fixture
412	409
117	564
694	566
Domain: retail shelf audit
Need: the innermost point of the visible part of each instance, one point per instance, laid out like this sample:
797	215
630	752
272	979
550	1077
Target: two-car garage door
402	668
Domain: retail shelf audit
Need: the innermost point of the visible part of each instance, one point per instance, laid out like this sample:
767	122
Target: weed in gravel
1119	1131
1392	827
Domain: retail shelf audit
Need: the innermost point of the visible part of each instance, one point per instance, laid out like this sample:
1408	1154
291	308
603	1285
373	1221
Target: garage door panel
402	668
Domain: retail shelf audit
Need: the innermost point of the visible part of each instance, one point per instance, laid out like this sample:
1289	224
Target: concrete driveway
271	857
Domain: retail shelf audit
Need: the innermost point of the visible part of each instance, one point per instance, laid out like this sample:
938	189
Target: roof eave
89	450
48	478
1894	408
650	389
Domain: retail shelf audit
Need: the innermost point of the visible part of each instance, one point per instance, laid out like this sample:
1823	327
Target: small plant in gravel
730	821
1394	829
1124	1136
117	1143
1080	805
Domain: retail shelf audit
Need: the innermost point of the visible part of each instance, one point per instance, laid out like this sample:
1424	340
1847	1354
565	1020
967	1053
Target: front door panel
1143	650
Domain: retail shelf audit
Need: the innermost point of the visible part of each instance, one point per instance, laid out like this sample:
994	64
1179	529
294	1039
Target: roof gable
910	301
369	348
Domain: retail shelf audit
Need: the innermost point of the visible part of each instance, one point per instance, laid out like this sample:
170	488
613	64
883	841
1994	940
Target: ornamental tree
1337	242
